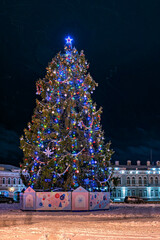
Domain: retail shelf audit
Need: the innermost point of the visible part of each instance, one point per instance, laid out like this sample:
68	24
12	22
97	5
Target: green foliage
64	145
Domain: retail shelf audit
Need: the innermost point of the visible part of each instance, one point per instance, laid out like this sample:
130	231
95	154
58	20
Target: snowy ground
122	221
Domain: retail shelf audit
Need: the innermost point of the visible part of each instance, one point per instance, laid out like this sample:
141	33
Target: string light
69	136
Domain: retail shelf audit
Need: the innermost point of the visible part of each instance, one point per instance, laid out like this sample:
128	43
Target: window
133	192
151	180
156	193
152	194
156	180
119	180
14	181
145	193
140	181
145	181
128	181
19	181
119	193
5	193
133	181
4	181
128	193
140	193
9	181
113	193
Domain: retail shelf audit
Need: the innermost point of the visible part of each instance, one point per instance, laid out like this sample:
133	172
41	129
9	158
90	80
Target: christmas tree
64	144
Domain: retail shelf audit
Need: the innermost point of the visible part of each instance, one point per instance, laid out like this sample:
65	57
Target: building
137	180
10	181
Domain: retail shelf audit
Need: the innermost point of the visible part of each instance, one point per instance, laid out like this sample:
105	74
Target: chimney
117	163
148	163
138	163
158	163
129	163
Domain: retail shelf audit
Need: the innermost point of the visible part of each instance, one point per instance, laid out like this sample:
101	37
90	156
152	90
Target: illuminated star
48	152
68	40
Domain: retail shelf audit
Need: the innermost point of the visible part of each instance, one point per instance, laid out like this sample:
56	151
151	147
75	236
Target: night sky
121	40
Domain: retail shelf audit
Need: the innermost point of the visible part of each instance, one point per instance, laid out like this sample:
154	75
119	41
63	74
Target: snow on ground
120	222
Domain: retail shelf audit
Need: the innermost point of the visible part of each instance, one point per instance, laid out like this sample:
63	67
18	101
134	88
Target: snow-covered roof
9	168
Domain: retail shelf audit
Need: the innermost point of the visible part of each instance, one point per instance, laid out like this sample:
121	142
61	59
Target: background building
10	181
137	180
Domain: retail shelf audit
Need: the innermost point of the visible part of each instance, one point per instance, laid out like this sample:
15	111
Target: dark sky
121	40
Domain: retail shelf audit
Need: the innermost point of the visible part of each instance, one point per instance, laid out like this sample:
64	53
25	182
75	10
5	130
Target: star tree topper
68	40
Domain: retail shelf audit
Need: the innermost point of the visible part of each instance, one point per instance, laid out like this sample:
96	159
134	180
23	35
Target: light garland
65	127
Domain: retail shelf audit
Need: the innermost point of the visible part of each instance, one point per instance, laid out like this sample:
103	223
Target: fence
78	200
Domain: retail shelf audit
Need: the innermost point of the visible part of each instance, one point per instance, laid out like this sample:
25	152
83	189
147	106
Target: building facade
10	181
136	180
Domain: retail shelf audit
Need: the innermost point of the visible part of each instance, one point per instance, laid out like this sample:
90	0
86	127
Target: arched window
9	181
140	181
4	180
156	180
128	181
119	181
151	180
133	181
14	181
145	180
19	181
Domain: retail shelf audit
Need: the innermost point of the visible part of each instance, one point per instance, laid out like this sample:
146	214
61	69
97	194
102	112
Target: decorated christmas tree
64	144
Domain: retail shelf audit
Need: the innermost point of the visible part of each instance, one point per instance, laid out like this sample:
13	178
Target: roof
8	168
136	167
